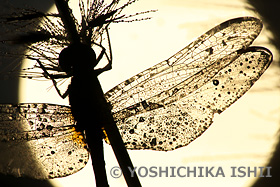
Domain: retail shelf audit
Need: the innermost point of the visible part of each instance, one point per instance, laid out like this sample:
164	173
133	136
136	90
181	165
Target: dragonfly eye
77	57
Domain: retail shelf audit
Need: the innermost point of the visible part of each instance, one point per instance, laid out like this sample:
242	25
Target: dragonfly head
77	57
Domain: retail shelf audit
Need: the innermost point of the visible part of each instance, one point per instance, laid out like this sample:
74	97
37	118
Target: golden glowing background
243	135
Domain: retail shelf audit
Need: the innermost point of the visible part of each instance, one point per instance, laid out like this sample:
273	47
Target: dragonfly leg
108	57
108	66
52	77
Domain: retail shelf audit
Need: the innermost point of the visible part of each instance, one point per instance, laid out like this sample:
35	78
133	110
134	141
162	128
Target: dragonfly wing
40	141
215	44
170	125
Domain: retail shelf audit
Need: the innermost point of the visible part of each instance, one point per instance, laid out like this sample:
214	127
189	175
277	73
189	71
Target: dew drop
215	82
153	142
131	131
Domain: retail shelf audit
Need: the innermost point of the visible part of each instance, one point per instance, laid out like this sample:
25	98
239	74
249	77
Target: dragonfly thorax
77	58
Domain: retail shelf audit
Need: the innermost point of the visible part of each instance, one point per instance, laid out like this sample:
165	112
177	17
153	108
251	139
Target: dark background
269	11
9	91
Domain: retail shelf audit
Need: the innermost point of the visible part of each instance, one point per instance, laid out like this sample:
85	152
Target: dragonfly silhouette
162	108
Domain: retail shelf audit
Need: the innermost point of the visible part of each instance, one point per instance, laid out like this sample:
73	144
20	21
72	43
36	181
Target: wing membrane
44	135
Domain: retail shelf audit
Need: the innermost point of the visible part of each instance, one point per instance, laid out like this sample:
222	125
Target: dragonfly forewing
215	44
218	42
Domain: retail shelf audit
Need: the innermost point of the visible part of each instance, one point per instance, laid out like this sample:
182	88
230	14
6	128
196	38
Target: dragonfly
163	108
